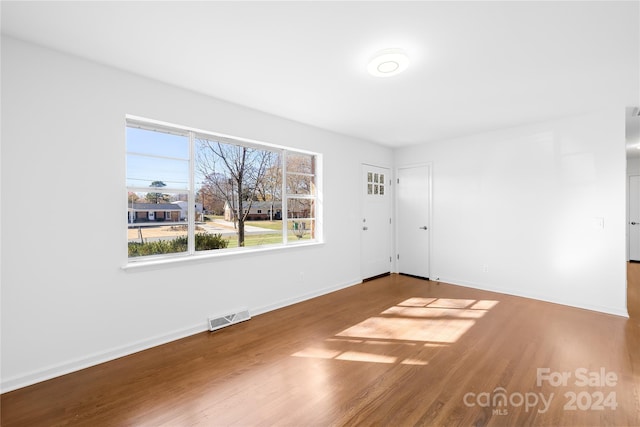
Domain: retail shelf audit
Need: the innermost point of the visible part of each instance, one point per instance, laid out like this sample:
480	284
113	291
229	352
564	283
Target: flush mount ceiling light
388	62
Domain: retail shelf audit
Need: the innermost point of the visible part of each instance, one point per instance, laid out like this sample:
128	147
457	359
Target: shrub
204	241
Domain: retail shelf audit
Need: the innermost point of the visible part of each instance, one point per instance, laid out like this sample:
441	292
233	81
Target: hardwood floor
633	290
393	351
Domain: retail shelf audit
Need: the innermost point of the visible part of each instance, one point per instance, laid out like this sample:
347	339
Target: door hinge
398	181
389	220
398	256
390	259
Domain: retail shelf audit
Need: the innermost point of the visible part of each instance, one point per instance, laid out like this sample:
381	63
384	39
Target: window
300	195
186	189
375	184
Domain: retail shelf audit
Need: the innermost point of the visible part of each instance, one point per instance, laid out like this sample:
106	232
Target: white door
413	203
375	222
634	217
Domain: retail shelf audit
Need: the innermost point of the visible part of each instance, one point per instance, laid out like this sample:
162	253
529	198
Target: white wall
66	302
523	202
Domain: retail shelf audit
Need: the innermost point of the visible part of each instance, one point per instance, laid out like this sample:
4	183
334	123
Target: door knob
424	227
365	228
634	223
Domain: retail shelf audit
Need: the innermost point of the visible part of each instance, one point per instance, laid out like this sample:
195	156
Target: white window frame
191	253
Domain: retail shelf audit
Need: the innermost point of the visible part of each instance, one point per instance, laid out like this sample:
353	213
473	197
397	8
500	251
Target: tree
270	188
210	197
299	167
157	197
216	188
132	198
236	172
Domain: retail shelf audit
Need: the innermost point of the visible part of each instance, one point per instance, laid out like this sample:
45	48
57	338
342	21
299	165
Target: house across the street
148	212
184	210
258	211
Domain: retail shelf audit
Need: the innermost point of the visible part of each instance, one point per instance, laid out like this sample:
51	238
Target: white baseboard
303	297
14	383
9	384
519	293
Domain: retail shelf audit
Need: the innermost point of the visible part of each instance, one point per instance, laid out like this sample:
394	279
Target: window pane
145	171
300	184
300	163
231	175
156	143
156	223
300	230
301	208
232	168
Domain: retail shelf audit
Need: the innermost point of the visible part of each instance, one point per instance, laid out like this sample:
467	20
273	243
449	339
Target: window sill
162	262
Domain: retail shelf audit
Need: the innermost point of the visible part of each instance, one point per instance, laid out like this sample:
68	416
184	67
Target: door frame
429	166
628	217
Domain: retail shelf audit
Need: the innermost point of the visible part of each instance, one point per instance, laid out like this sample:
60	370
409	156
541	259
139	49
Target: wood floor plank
633	290
391	351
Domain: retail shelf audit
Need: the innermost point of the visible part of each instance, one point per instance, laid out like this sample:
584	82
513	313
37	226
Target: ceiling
475	66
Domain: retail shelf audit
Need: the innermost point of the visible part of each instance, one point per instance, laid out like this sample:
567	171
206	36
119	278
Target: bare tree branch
241	167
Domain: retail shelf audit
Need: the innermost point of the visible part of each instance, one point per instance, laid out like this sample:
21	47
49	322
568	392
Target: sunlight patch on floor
428	312
423	329
412	326
319	353
417	362
484	305
451	303
358	356
417	302
366	351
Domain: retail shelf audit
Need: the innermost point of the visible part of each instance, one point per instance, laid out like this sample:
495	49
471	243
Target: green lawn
256	240
263	239
271	225
266	239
